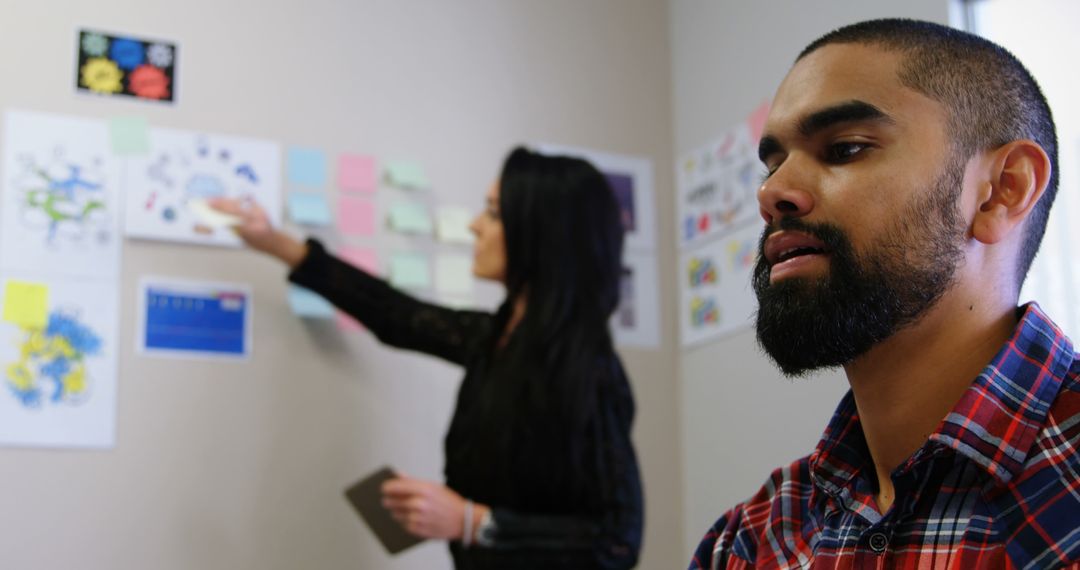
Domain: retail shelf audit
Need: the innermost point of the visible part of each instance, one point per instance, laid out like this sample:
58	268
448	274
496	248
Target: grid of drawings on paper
714	283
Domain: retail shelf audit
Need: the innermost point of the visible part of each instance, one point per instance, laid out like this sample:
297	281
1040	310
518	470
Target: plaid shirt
996	486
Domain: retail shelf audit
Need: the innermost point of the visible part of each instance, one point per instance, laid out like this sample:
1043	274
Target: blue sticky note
410	271
307	167
304	303
309	208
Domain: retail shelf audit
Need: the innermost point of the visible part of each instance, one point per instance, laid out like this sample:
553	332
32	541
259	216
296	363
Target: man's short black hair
990	97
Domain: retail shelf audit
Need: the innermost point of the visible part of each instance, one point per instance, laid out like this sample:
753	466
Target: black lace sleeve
395	318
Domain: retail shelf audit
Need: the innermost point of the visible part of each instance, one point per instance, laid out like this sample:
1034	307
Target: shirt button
878	542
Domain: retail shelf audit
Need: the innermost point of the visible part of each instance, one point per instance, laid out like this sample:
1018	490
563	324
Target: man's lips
785	245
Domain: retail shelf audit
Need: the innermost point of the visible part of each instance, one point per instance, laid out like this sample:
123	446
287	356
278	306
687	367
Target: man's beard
809	323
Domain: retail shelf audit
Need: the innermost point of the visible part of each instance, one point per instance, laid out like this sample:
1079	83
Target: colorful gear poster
124	65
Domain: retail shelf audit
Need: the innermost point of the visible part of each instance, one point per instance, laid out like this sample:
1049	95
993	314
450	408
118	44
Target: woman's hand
257	231
425	508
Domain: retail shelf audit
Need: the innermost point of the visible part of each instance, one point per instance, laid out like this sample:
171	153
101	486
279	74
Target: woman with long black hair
540	470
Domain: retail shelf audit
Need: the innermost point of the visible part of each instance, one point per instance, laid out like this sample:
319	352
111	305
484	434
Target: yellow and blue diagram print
52	369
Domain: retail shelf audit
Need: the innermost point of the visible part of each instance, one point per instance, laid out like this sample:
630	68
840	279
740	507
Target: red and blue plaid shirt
996	486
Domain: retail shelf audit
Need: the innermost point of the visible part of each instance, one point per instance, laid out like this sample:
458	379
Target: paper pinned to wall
717	184
129	135
410	271
26	304
306	167
309	208
357	173
308	304
183	166
61	196
636	321
356	216
452	224
127	66
406	174
59	382
715	296
410	218
194	319
453	274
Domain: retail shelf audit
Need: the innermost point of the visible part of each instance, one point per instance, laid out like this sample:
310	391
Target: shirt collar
994	423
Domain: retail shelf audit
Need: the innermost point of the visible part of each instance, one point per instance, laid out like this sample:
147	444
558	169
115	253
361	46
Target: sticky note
356	173
406	174
410	218
26	304
307	304
129	135
453	274
410	271
211	217
307	167
452	225
345	323
356	216
309	208
363	257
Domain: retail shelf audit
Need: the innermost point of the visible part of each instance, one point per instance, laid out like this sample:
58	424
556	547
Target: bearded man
911	170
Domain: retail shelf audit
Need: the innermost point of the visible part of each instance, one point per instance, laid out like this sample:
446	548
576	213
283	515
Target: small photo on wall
127	66
623	187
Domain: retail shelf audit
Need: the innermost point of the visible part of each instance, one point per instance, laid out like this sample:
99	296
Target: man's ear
1020	171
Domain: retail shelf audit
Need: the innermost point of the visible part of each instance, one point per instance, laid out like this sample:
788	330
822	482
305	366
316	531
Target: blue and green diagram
52	365
65	198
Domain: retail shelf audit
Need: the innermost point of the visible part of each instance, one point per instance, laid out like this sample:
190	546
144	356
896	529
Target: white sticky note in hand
208	216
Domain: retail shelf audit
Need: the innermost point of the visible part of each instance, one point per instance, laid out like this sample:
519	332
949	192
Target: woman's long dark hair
564	239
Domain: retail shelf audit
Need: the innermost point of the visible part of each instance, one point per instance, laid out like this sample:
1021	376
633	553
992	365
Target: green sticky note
26	304
410	218
410	271
129	135
406	174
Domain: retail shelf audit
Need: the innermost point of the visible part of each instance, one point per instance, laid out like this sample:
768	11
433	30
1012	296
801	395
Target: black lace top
537	523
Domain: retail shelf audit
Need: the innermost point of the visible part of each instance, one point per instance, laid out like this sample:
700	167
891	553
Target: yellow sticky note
26	304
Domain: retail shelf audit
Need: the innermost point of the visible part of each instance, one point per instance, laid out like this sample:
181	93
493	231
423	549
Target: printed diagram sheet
182	166
60	196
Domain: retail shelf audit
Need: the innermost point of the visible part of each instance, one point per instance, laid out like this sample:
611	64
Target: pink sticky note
357	173
367	259
345	323
362	257
356	216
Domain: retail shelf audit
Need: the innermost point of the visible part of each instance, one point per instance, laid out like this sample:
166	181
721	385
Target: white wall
227	466
741	419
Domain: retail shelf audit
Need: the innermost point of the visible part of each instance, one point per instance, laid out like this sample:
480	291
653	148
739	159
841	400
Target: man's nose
782	195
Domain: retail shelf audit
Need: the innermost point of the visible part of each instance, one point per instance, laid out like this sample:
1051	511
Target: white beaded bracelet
466	538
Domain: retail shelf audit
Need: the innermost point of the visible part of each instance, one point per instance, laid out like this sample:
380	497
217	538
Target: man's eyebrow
818	121
843	113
